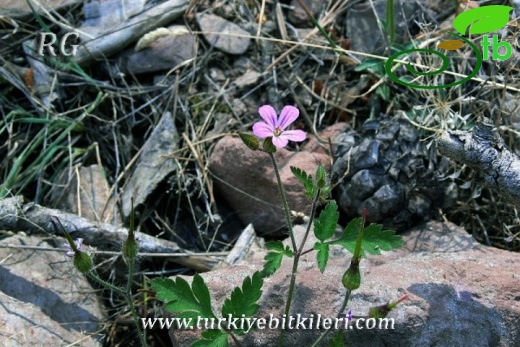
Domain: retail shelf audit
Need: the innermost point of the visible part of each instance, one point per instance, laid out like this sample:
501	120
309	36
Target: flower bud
321	176
268	145
82	262
250	141
130	247
352	277
383	310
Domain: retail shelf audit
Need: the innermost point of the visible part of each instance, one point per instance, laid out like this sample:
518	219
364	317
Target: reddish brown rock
247	181
460	293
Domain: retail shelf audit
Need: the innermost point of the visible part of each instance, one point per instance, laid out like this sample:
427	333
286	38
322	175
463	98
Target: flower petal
280	141
262	130
268	113
79	243
294	135
288	115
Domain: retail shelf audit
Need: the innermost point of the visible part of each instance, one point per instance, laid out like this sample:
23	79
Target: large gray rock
460	293
387	169
164	49
223	34
297	15
364	29
44	301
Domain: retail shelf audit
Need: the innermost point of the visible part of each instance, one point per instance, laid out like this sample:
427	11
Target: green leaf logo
482	19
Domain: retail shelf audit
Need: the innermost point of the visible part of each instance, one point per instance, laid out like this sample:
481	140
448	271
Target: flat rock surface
44	301
454	284
163	53
223	34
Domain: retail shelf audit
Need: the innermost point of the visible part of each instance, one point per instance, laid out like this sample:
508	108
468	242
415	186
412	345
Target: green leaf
244	301
273	259
249	140
324	194
322	256
374	239
338	340
383	91
179	298
212	338
482	19
268	145
398	47
349	236
369	64
325	225
305	180
321	176
274	246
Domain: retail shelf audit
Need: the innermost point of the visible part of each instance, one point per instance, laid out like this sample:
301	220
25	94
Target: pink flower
70	251
275	127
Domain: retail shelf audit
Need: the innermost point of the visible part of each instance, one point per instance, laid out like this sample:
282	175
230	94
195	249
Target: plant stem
296	260
130	301
284	203
311	220
317	24
124	293
343	306
92	275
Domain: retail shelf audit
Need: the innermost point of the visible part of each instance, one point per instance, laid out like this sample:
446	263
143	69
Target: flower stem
130	301
296	260
343	306
92	275
127	294
284	203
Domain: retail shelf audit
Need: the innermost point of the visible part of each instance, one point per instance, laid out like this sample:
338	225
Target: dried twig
484	151
15	215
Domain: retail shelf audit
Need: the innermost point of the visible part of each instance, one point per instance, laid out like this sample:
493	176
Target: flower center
277	131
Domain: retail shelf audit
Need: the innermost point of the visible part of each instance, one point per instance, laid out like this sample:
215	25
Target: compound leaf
179	298
349	236
244	301
273	259
322	256
305	180
374	238
325	225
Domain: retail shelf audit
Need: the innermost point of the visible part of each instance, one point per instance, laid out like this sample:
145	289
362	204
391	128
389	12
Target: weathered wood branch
15	215
130	30
483	150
